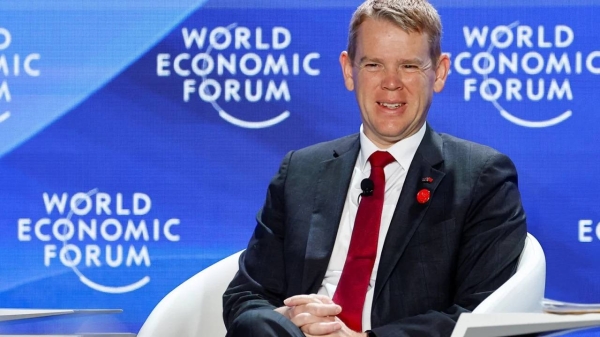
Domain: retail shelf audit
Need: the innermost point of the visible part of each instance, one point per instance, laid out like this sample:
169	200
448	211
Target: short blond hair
411	15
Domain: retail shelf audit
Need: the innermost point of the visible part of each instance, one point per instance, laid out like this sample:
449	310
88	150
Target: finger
285	311
324	299
305	299
316	309
321	328
305	318
300	300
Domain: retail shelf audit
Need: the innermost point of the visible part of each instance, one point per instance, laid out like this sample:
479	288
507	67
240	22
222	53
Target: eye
372	66
410	67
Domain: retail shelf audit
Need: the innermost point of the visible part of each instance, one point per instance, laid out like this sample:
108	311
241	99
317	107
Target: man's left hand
343	332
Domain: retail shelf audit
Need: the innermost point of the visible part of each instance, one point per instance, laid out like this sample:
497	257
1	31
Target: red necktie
352	289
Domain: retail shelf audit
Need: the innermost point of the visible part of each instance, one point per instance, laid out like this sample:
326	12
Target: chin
393	133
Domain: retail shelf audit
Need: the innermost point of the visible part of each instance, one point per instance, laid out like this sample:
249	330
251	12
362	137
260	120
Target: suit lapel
409	213
332	187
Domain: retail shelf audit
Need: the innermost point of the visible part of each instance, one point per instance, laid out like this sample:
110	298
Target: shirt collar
403	151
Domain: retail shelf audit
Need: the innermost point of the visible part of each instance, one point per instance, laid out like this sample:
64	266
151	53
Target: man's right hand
313	314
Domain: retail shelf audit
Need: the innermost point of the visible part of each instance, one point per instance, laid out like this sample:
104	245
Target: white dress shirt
395	174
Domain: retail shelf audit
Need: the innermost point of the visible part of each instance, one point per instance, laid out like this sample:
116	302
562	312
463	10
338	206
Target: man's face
394	78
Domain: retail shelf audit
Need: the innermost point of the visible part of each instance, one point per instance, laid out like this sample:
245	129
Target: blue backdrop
137	139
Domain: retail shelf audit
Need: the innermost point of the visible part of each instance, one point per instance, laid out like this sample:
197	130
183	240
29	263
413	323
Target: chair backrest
524	291
194	308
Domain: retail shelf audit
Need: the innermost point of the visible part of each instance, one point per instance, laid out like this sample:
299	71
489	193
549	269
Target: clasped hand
316	315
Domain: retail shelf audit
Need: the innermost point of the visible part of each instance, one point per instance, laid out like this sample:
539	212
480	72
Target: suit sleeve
261	281
492	238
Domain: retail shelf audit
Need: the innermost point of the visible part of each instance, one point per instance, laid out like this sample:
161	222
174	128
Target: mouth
392	106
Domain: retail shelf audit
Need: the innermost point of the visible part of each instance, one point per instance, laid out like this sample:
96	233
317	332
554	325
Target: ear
441	72
347	68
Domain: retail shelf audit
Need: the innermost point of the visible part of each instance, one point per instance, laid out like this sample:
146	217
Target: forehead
381	38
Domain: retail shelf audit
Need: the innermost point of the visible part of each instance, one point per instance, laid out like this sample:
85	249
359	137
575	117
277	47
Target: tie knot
381	159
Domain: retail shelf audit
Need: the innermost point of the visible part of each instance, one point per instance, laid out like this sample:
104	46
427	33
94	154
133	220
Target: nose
392	80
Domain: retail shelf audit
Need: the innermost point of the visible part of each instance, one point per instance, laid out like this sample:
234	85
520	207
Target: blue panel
161	126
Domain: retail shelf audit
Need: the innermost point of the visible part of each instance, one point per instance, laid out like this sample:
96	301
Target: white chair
193	309
524	291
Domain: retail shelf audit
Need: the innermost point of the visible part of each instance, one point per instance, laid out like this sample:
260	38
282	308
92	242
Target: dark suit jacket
439	259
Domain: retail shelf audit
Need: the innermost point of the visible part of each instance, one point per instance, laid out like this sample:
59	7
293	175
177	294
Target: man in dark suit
449	229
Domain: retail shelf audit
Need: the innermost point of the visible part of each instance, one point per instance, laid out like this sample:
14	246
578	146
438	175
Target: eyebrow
368	59
415	60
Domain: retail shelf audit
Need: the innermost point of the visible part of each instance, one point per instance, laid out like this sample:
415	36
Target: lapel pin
423	196
428	180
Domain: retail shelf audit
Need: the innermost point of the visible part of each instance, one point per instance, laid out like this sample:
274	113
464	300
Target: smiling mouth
391	105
